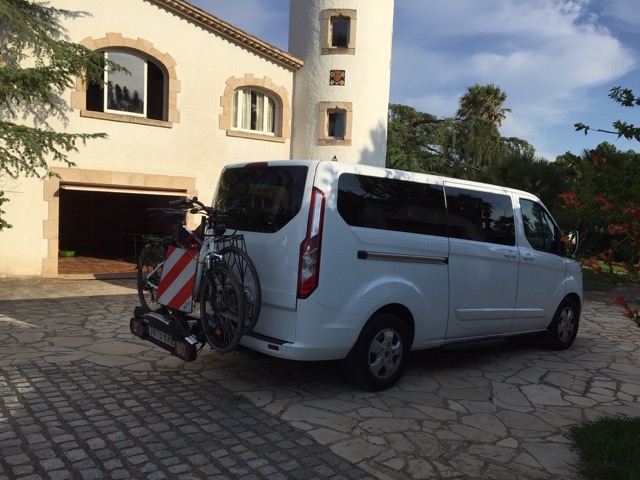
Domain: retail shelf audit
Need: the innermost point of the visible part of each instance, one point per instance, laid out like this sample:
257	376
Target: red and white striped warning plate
178	276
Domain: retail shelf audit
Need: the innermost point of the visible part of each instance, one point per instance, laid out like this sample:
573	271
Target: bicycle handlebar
194	206
190	205
183	202
167	214
213	218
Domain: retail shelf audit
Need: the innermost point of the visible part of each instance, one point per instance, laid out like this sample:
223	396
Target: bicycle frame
152	272
207	252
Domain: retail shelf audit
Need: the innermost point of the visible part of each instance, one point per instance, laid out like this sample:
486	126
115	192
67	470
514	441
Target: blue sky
555	59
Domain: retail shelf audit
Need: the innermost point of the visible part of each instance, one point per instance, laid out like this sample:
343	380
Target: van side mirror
571	243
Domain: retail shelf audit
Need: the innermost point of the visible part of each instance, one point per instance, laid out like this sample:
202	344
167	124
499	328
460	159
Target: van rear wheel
378	359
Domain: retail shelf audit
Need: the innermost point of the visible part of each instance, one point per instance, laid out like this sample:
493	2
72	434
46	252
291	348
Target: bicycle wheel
241	264
150	263
221	304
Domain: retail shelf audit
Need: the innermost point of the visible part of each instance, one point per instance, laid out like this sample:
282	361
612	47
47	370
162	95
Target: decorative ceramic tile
337	77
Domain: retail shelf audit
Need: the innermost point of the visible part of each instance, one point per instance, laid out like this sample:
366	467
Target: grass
609	448
603	281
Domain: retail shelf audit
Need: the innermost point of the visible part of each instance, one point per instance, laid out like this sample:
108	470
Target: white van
365	264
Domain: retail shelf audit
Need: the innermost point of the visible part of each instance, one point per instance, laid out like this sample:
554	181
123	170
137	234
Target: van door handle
510	255
528	257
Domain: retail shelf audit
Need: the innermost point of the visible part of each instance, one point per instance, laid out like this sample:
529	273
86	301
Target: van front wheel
564	327
378	359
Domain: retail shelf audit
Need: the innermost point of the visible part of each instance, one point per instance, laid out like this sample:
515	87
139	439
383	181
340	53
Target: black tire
149	273
379	357
563	328
241	264
221	304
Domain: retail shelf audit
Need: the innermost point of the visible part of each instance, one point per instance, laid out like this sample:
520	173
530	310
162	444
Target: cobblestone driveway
80	397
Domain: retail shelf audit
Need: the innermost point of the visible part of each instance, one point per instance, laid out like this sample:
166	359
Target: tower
341	94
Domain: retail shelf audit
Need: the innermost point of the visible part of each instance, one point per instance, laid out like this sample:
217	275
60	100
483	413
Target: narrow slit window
337	124
340	32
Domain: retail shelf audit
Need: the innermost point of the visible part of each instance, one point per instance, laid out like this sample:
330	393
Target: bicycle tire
241	264
221	304
149	273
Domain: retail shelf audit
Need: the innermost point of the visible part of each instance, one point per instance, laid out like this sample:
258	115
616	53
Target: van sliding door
483	262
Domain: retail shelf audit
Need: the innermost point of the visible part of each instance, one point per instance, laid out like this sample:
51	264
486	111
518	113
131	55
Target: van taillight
309	270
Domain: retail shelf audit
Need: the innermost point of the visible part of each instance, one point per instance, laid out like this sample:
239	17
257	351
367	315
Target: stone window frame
164	60
324	140
327	17
276	92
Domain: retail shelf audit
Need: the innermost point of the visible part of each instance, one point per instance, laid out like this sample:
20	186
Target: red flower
607	206
633	211
632	314
570	199
592	263
620	229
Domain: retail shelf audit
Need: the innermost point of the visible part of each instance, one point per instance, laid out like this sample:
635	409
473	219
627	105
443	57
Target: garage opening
101	228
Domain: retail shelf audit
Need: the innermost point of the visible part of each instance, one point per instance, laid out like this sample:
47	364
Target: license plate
160	336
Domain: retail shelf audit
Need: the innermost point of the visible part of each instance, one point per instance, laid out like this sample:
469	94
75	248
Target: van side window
480	216
539	228
389	204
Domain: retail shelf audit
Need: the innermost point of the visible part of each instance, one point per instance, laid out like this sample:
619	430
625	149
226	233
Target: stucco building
201	94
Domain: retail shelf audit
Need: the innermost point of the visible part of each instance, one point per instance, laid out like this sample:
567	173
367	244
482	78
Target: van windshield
268	196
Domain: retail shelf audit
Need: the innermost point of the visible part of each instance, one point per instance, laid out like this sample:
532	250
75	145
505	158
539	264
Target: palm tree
484	101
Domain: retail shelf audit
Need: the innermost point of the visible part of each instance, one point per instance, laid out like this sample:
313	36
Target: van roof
386	172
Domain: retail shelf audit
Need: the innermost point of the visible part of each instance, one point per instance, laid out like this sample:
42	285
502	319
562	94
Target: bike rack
155	328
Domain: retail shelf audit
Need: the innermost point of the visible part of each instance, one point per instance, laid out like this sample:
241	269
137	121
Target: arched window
255	111
141	91
255	108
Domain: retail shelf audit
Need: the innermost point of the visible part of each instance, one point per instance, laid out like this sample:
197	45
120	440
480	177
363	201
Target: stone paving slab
82	398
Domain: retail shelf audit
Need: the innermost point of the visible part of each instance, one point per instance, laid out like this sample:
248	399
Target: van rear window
268	196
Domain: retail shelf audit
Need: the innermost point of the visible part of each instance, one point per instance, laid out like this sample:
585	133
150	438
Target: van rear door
273	201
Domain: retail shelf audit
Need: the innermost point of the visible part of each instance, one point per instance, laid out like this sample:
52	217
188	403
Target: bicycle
152	256
228	294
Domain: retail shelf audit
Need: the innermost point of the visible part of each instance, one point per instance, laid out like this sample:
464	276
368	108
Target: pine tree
37	64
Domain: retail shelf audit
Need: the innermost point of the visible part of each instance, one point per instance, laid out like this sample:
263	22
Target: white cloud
545	54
